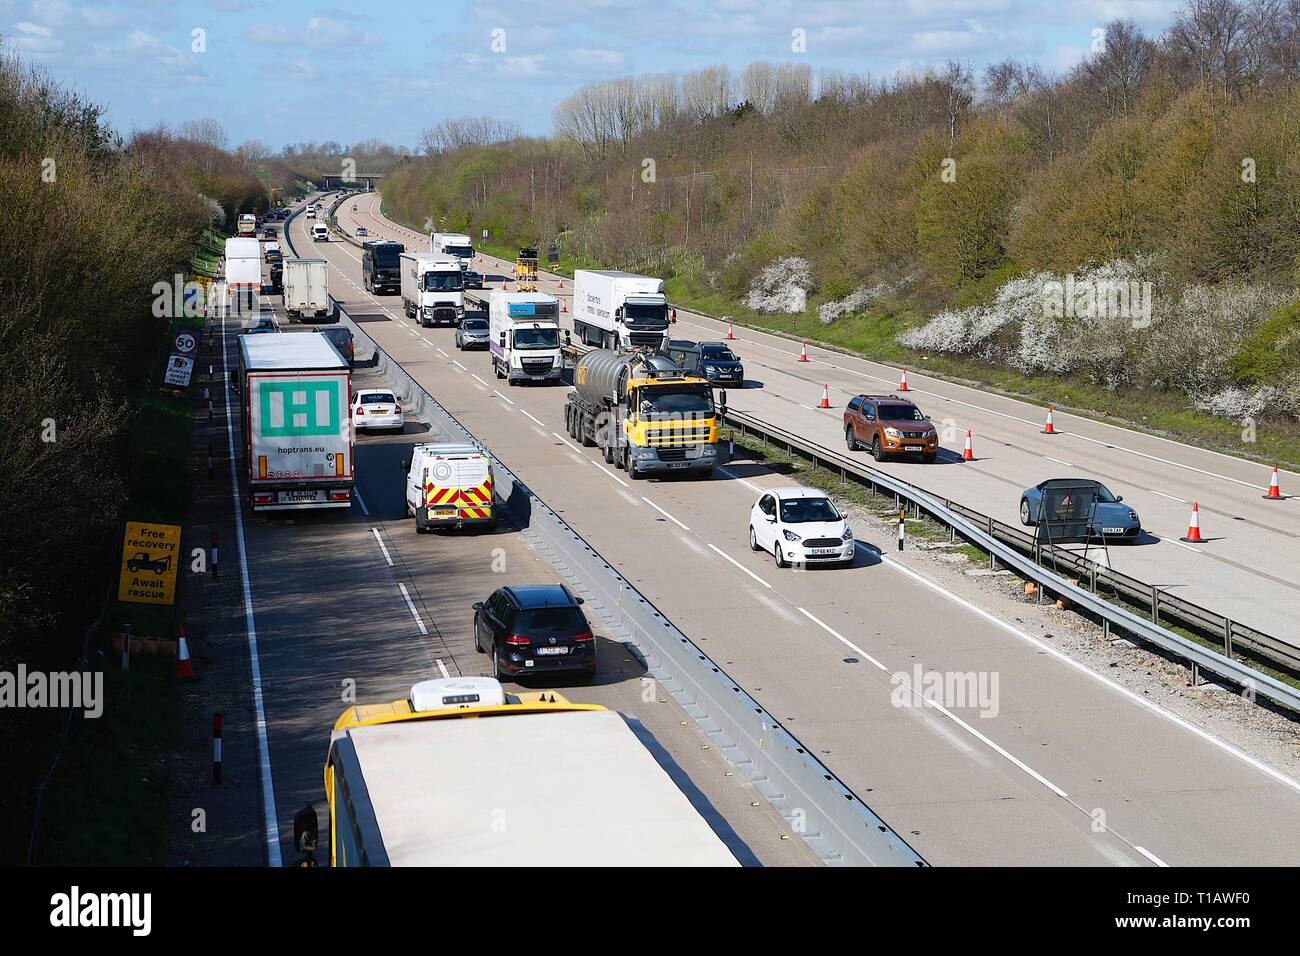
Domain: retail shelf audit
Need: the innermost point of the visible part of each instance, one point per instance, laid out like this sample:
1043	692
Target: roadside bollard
215	555
209	463
902	518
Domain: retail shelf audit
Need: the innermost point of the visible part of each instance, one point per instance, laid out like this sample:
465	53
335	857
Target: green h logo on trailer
290	409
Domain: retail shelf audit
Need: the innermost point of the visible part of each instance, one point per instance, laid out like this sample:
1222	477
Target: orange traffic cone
902	381
968	453
730	335
803	353
826	397
1194	529
184	668
1049	428
563	307
1274	491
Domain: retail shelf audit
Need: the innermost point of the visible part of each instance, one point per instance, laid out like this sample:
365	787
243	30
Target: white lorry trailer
453	244
619	310
297	422
306	289
432	288
243	275
524	336
426	781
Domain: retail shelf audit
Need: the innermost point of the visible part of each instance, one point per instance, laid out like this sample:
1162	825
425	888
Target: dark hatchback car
534	628
712	359
342	339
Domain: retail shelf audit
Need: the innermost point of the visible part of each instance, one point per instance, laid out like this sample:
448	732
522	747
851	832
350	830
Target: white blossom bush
855	302
782	287
1239	404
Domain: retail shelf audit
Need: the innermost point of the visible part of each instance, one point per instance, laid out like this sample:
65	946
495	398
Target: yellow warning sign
150	554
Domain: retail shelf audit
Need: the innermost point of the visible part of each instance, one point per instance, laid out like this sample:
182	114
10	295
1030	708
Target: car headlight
1132	515
892	432
848	534
791	536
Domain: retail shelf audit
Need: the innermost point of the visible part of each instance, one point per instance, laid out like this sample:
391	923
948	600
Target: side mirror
579	600
477	605
771	519
306	830
1119	497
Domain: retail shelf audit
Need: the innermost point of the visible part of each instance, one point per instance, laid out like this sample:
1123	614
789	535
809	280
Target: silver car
472	334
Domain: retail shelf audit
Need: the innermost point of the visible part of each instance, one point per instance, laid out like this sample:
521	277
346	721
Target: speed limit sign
185	343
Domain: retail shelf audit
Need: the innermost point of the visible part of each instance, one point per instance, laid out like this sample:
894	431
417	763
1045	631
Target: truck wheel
587	441
496	369
850	439
876	451
630	467
608	453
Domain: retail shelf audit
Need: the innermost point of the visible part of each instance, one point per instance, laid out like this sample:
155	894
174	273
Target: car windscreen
1103	494
548	338
718	353
667	400
377	398
801	510
443	282
901	413
550	620
474	325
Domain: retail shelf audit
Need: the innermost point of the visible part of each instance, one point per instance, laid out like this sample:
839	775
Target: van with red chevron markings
449	485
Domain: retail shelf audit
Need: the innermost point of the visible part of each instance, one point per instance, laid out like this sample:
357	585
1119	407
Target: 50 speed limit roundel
185	343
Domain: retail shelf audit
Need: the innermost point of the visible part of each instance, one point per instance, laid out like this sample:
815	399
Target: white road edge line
270	818
414	613
442	669
533	417
744	481
1151	856
382	546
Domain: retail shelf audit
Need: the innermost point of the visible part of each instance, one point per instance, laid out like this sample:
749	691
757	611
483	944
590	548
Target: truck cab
433	288
620	310
454	244
524	336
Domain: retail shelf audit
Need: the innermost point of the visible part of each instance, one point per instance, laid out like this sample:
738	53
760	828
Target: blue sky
287	71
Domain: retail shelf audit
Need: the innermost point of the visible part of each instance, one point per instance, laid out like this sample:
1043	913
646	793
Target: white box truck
297	422
420	782
243	264
453	244
524	336
619	310
306	288
432	288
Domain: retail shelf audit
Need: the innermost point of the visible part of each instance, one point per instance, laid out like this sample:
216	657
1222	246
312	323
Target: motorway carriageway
1248	568
357	602
818	648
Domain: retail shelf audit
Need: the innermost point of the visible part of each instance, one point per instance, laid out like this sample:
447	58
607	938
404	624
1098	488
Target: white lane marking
499	393
442	668
485	384
270	818
578	458
533	417
744	481
441	352
382	547
459	366
414	613
1170	497
1105	681
1151	856
426	343
361	501
664	513
1067	464
1181	545
608	472
565	440
741	566
839	637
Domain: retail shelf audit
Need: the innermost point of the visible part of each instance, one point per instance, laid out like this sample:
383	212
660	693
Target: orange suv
889	426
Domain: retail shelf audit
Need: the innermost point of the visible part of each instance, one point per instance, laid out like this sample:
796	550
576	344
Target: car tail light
340	496
584	636
361	411
262	499
396	409
518	640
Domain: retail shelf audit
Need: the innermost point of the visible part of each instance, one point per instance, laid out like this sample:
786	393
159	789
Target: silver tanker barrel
601	375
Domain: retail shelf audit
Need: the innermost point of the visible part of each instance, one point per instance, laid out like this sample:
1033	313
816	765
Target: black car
473	280
712	359
534	628
342	339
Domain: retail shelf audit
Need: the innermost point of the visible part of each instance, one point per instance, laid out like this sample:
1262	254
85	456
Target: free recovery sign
150	554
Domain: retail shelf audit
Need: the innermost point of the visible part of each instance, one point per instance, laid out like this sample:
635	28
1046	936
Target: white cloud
32	29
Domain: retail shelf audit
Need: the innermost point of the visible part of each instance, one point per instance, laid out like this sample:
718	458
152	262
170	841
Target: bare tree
1116	71
706	93
1211	36
206	131
959	84
453	134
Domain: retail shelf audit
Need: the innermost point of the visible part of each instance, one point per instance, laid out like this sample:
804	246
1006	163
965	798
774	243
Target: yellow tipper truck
463	774
646	414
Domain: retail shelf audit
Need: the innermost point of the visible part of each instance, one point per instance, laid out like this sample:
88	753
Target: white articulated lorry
243	262
297	422
432	288
306	289
524	336
619	310
453	244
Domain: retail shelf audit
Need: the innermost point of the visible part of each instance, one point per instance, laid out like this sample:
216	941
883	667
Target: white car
362	231
800	526
376	408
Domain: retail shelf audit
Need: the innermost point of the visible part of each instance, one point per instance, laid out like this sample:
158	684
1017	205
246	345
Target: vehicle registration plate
679	464
548	651
300	496
1112	530
824	551
915	448
443	513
